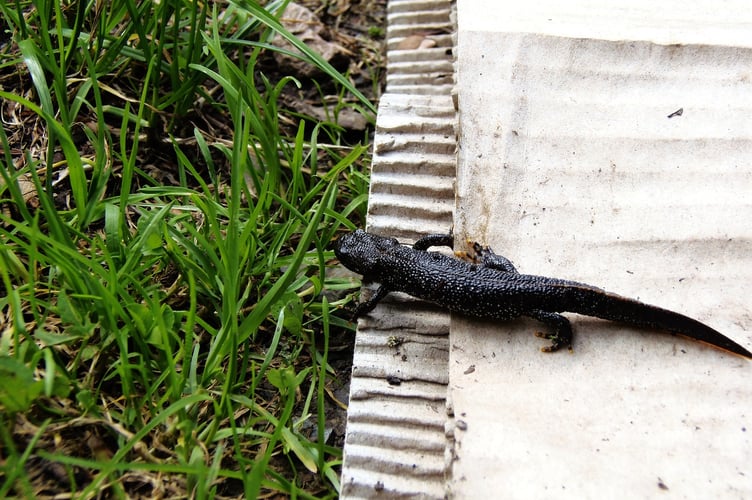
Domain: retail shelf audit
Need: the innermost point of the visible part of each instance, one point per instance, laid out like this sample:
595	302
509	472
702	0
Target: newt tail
613	307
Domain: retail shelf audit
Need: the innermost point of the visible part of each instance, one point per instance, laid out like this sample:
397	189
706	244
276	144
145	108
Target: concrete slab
666	22
574	163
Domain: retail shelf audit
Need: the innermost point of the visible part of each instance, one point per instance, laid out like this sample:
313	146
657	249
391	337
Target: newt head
359	251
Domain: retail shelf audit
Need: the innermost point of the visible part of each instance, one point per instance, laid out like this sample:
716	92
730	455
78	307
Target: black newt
489	286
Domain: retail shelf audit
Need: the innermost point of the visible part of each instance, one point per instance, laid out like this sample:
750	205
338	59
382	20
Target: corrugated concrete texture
395	444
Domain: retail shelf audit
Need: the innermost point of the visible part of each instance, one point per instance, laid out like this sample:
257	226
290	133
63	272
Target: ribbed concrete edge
396	440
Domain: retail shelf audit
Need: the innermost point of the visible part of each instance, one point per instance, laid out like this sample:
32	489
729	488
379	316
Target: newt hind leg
485	256
562	329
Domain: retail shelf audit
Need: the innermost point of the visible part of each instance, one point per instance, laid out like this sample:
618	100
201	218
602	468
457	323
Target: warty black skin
491	287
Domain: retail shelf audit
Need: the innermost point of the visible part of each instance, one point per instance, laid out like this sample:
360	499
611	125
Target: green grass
163	326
